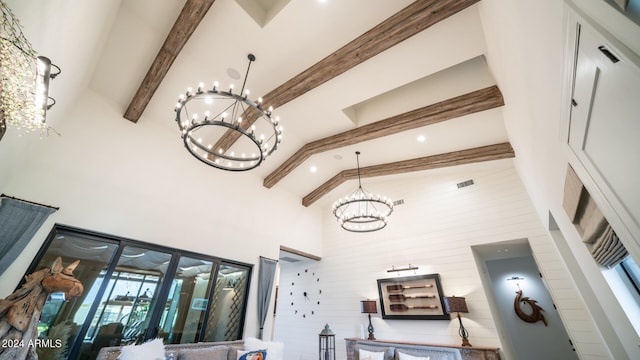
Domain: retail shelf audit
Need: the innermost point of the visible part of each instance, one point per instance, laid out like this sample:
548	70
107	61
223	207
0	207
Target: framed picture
416	297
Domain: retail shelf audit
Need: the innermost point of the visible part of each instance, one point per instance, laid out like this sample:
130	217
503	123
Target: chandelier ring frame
190	141
195	135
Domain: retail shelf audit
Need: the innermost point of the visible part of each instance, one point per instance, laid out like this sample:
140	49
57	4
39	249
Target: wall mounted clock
305	293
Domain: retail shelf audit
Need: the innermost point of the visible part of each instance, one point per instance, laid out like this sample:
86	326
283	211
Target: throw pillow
152	350
215	352
389	352
403	356
252	355
370	355
275	349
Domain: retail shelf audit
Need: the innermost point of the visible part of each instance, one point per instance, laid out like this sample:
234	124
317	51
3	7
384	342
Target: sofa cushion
275	349
252	355
403	356
233	353
370	355
152	350
388	351
212	353
432	352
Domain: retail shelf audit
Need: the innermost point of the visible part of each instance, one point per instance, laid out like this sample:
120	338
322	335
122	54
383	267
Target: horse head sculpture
62	280
20	311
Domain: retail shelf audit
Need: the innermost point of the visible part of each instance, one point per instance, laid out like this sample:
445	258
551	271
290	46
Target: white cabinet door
605	123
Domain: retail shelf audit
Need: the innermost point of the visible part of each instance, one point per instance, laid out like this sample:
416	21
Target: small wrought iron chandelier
225	129
362	211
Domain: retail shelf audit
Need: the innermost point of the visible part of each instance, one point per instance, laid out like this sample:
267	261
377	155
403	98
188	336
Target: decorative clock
305	293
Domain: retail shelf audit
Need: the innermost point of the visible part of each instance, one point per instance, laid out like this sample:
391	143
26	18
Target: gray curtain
19	221
266	276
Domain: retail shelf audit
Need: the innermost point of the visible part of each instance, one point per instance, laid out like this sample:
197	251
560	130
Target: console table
466	353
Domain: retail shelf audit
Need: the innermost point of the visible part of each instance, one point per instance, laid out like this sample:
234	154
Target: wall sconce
398	270
516	278
369	307
459	305
536	311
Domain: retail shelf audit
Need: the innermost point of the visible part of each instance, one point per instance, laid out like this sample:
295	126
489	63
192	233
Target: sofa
394	351
223	350
249	348
399	350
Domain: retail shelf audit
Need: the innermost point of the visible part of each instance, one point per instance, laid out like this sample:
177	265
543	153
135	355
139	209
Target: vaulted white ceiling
445	60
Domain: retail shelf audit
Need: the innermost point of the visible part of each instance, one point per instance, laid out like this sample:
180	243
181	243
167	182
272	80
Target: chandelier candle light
362	211
205	116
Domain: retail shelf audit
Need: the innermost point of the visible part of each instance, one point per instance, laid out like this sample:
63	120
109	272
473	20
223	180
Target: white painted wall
434	230
109	175
532	72
538	340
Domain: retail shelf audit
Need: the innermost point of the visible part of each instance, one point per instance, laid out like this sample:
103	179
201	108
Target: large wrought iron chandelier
362	211
225	129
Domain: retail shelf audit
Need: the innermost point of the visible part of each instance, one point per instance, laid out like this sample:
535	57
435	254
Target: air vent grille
398	202
465	183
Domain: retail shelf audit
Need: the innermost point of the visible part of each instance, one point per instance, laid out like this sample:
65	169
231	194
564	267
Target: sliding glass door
62	319
123	315
225	320
187	301
136	291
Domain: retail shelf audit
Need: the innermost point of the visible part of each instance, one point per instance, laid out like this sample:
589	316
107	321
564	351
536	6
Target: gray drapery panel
266	276
19	221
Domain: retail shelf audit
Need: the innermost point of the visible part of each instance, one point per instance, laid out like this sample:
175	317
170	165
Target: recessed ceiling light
337	157
421	138
313	168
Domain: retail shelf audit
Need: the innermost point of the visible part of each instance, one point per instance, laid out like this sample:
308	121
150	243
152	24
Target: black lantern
327	344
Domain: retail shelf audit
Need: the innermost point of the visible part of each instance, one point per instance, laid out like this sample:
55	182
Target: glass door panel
62	318
226	312
134	291
127	304
187	302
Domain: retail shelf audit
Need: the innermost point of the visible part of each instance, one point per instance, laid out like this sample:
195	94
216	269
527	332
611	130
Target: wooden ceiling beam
479	154
475	101
409	21
192	13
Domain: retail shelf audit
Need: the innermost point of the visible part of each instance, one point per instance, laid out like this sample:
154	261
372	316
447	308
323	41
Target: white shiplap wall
434	230
573	312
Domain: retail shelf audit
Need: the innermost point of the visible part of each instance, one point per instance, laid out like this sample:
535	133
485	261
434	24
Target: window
632	272
623	280
134	291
